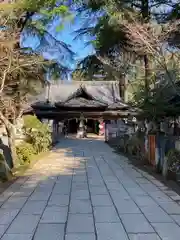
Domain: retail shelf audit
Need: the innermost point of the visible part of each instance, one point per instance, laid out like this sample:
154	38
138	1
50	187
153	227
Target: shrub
135	147
38	134
41	140
173	158
25	152
31	122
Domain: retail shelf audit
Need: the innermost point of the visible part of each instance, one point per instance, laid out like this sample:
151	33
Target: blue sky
66	35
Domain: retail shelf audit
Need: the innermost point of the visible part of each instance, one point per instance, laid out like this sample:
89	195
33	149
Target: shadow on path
84	191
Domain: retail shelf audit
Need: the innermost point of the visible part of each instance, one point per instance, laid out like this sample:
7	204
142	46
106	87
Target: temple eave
77	114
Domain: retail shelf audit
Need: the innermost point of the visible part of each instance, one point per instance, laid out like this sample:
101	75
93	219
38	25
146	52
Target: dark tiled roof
81	102
82	94
118	106
107	92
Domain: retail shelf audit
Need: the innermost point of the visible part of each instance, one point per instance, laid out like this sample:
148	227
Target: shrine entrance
72	125
83	107
91	124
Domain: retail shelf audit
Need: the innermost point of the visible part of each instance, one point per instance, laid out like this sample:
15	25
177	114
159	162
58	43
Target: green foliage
56	70
31	122
135	146
48	10
1	157
173	160
25	152
111	40
40	139
88	68
38	134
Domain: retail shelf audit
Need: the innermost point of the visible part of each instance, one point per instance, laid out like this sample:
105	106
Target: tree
20	67
93	68
117	49
17	71
33	18
34	15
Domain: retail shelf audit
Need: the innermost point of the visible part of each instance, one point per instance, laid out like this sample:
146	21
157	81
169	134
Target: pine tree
111	39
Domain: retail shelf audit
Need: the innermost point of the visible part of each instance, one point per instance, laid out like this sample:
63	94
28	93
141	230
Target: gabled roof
83	94
106	92
81	98
81	102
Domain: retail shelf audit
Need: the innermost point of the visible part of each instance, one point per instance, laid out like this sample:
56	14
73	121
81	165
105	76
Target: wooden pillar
54	131
152	149
106	132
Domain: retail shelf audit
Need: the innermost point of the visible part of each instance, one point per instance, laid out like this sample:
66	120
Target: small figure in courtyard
65	130
81	130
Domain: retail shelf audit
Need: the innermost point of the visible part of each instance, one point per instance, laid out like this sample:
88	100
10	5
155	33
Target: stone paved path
84	191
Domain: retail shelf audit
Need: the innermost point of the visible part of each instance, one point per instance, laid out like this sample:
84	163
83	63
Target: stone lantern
81	130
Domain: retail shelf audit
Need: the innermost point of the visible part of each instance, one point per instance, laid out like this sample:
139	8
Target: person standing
65	130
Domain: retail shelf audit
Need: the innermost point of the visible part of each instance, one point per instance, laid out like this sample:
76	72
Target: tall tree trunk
123	88
11	143
146	17
11	137
147	74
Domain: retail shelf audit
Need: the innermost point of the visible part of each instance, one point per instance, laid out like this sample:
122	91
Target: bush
38	134
41	140
31	122
25	152
135	147
173	158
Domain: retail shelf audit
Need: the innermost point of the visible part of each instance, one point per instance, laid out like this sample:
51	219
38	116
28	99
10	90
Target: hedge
25	152
38	134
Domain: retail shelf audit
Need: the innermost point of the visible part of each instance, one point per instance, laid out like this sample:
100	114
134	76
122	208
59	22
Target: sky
67	35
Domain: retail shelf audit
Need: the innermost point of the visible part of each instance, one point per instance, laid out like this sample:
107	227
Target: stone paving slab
80	236
59	200
144	236
34	207
176	218
80	206
49	232
7	215
54	214
84	191
108	231
106	214
17	237
167	230
80	223
143	201
14	203
24	224
136	223
156	214
101	200
3	229
80	194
